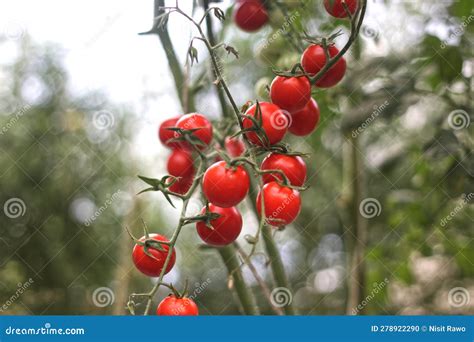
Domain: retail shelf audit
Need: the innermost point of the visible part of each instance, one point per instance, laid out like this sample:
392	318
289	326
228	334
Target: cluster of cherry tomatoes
226	183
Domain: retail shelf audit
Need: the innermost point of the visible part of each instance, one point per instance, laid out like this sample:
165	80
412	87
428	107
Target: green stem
212	40
244	293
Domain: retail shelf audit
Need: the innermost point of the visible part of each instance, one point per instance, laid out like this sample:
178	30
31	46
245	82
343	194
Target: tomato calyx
187	135
149	242
206	217
162	185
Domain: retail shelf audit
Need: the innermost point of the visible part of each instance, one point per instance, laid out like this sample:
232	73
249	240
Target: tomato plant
222	230
282	204
314	59
274	123
293	167
225	185
149	255
249	142
176	306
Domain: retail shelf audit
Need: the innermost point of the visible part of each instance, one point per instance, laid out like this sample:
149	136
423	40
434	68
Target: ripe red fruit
181	185
304	121
290	93
225	229
199	122
174	306
180	163
250	15
235	147
336	8
314	59
165	134
152	266
224	185
282	204
293	167
274	123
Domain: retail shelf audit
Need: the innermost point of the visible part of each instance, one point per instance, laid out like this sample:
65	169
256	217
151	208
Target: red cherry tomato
165	134
282	204
225	229
181	185
293	167
225	186
250	15
290	93
174	306
304	121
235	147
152	266
336	8
180	163
314	59
199	122
274	123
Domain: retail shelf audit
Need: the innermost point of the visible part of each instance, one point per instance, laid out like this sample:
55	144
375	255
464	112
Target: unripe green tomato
261	88
288	60
277	18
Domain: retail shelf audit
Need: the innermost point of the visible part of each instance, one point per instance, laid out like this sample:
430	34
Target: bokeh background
82	95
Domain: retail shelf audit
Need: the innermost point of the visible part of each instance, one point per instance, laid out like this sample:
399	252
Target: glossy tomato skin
274	122
293	167
225	186
152	266
290	93
235	147
250	15
314	59
199	122
180	163
182	185
282	204
305	121
165	135
225	229
336	8
174	306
